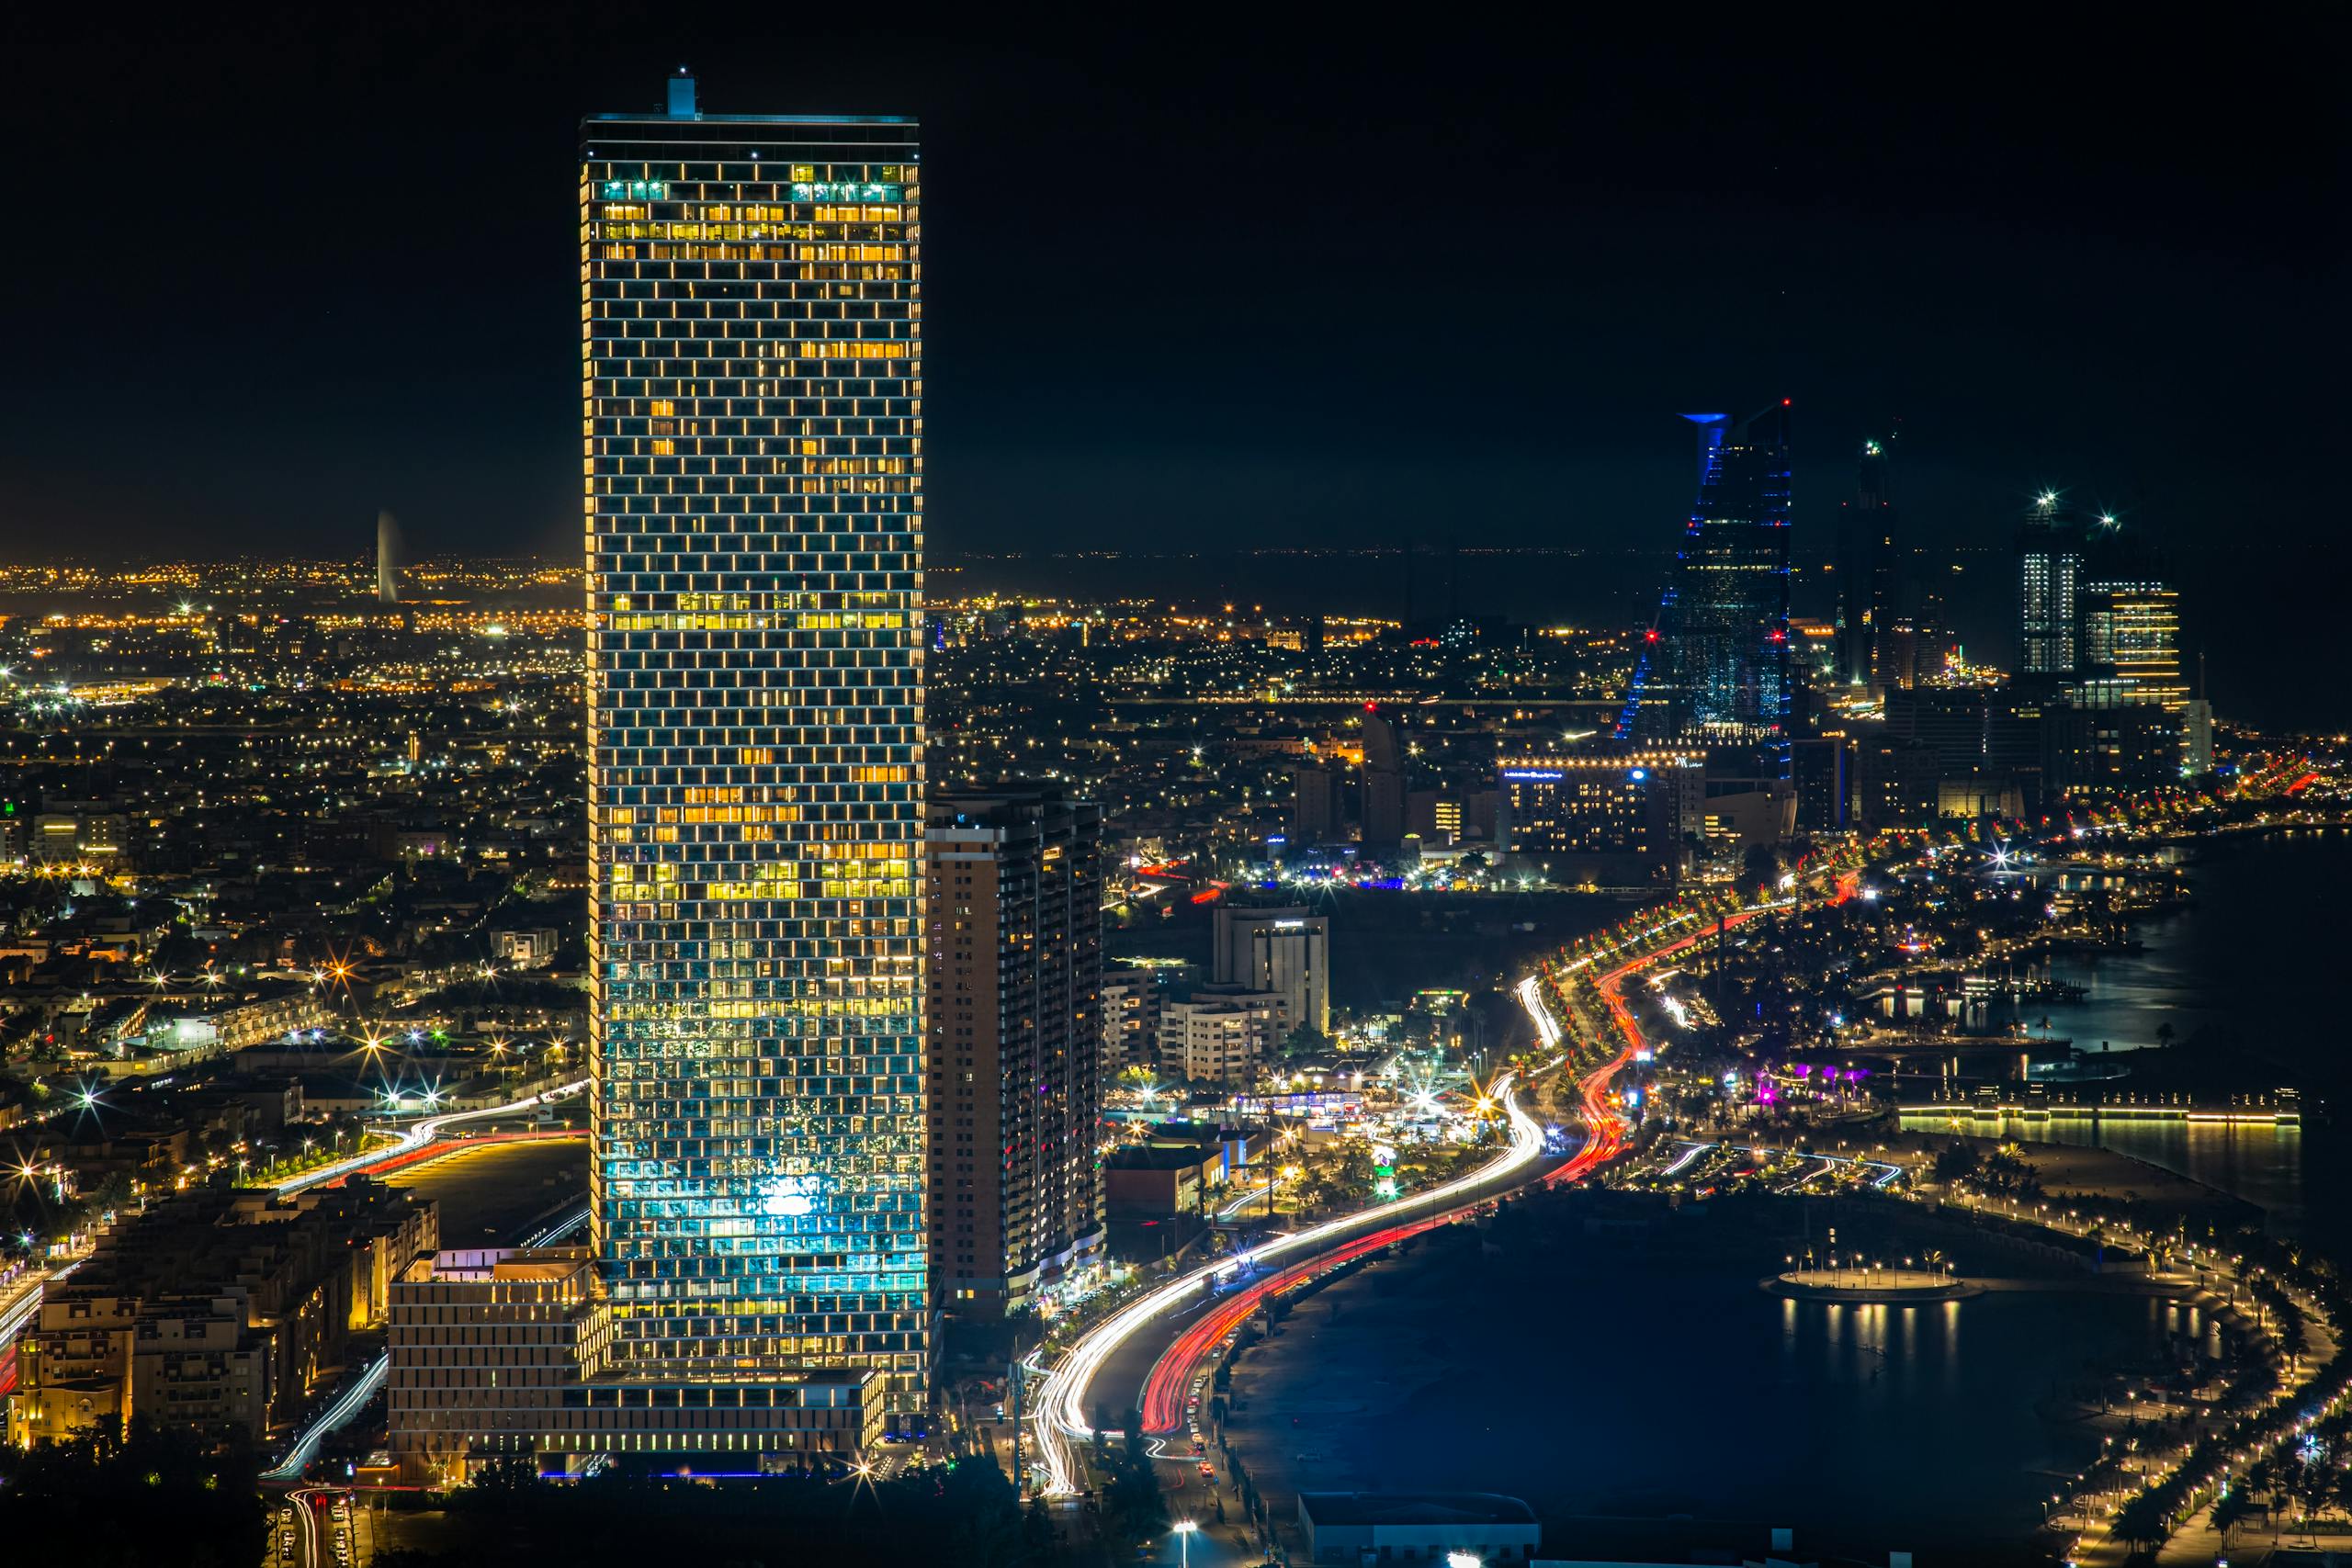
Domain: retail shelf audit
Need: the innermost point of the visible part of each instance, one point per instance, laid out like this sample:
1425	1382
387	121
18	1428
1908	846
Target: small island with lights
1864	1280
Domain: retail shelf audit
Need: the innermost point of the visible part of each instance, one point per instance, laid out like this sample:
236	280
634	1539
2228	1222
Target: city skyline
1989	304
1180	1018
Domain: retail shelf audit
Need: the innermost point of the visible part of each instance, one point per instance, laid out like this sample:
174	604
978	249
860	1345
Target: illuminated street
854	788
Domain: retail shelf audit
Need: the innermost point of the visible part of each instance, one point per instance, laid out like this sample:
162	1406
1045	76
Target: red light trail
1165	1388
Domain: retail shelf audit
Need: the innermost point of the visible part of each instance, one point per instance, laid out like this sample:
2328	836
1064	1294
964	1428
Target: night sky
1351	278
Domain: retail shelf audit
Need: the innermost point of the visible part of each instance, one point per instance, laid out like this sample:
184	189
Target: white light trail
1683	1161
421	1133
1061	1399
306	1447
1547	1028
557	1229
29	1305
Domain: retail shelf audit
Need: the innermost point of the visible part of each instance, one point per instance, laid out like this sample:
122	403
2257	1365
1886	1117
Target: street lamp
1464	1560
1184	1531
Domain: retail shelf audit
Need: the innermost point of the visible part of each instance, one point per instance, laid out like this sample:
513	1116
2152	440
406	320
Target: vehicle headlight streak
1547	1028
420	1134
1682	1161
306	1447
1061	1401
28	1306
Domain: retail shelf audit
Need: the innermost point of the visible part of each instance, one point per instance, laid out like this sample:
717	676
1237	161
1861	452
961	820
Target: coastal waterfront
2246	971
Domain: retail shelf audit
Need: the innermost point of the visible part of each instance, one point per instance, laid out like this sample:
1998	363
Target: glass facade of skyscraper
1728	618
751	431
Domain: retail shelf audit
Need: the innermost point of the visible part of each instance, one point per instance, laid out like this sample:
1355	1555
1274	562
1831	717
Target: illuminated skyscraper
1727	623
752	408
2131	632
2050	568
1866	590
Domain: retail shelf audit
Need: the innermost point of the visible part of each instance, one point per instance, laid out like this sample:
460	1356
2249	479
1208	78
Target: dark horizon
1256	286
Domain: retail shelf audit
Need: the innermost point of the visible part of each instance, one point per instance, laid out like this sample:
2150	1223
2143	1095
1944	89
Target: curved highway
1062	1400
1061	1418
420	1135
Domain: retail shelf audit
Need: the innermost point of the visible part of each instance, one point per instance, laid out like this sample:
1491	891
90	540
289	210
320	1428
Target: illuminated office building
1285	953
2050	568
2131	631
752	411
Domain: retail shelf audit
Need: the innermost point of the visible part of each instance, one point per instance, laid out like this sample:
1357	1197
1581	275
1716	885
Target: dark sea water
1602	1381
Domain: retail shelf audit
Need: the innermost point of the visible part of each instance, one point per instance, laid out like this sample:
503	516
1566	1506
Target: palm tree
2141	1523
2314	1485
2257	1479
2230	1509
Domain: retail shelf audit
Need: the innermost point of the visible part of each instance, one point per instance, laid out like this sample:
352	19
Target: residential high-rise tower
1015	981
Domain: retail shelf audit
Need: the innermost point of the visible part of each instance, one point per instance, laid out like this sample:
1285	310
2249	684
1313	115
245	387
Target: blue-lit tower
1725	622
